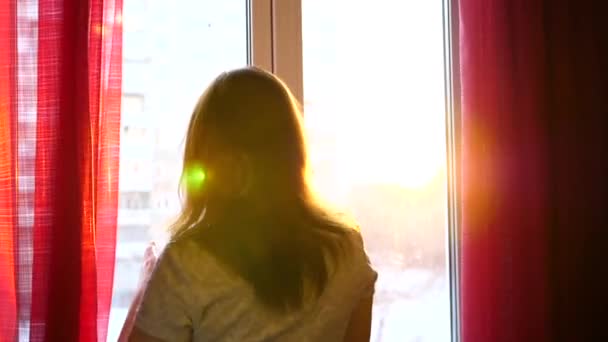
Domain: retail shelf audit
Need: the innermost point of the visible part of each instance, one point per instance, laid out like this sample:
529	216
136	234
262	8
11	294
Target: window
370	76
137	31
172	50
374	107
134	200
132	104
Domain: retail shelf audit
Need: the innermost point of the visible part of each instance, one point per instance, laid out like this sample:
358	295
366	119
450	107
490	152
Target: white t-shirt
190	297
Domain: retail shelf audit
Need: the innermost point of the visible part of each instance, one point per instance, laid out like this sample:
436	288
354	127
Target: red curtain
60	89
8	300
534	126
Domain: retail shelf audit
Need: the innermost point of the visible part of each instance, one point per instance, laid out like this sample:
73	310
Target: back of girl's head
246	138
246	133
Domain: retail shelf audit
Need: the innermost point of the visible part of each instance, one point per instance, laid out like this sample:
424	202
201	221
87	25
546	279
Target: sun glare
391	126
406	151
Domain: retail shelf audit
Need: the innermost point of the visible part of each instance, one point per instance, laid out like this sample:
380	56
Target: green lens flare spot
198	176
195	177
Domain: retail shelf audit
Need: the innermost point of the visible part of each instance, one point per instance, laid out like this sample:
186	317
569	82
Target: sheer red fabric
60	89
504	254
534	185
8	291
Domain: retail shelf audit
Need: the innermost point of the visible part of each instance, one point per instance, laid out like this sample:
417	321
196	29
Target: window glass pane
132	104
374	110
172	51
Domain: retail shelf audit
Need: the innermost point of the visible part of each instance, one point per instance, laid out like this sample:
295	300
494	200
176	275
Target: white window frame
451	33
275	37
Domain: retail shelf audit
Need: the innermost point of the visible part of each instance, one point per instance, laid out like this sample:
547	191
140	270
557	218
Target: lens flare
194	177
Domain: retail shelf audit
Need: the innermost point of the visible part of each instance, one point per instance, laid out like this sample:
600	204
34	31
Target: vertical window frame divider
287	45
453	138
259	34
275	40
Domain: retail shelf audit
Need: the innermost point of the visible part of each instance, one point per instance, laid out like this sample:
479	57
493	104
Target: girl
253	256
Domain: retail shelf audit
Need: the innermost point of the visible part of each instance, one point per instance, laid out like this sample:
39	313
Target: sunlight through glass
374	112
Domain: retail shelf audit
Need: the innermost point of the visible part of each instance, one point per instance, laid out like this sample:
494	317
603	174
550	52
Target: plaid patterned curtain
60	79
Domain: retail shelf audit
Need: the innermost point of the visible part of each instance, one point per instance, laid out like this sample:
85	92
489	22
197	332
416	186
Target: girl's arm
150	257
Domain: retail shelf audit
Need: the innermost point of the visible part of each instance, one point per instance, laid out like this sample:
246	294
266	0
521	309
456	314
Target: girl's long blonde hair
246	191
